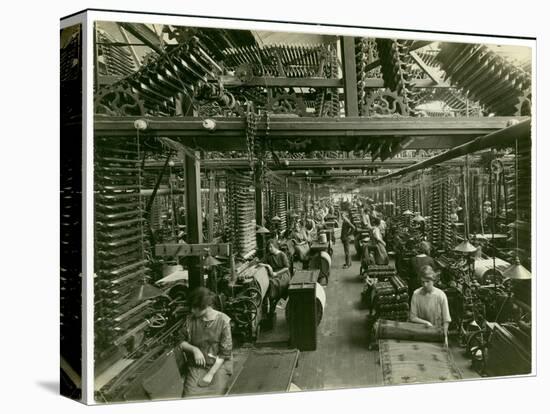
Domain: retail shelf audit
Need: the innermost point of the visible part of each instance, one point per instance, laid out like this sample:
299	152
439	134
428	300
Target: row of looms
207	142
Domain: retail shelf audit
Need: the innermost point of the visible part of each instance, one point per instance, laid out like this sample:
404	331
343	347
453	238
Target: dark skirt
278	289
218	386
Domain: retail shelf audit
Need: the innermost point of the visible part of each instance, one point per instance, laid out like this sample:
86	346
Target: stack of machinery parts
396	65
440	232
71	214
71	250
158	85
501	86
70	68
241	221
366	52
296	201
121	266
291	61
112	60
405	203
327	102
279	207
282	209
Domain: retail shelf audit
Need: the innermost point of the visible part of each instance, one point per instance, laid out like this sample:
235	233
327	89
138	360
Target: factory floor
342	358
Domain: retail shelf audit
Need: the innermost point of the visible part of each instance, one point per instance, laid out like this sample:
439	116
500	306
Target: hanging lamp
209	260
418	218
517	271
262	230
146	291
465	247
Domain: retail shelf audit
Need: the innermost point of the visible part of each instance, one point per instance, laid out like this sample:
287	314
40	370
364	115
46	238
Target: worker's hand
199	357
428	323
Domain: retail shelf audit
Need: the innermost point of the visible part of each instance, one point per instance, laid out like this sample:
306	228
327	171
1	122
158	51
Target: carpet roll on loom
408	331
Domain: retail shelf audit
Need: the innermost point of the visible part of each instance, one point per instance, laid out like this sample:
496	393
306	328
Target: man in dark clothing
346	236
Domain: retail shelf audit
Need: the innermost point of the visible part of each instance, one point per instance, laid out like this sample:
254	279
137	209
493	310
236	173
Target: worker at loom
310	227
207	340
422	259
278	268
379	245
298	233
300	240
365	217
347	237
429	305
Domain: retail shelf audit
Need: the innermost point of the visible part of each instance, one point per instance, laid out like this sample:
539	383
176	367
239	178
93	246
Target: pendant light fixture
516	271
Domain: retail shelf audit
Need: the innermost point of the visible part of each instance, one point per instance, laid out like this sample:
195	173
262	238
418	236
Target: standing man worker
429	305
346	236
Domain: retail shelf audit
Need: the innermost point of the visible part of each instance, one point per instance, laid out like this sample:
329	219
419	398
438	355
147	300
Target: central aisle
342	359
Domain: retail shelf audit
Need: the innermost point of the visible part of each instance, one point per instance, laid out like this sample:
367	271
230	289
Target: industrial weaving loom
121	265
414	353
209	144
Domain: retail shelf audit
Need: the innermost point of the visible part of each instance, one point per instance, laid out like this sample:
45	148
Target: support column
258	194
315	195
466	214
193	216
211	201
287	197
350	76
259	205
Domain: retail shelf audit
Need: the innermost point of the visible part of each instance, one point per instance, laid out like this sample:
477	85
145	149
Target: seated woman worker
207	342
278	268
300	238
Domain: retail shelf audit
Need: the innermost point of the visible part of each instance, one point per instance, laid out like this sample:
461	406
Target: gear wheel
385	102
118	101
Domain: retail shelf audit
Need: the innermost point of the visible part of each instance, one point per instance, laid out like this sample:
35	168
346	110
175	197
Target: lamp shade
146	291
517	272
418	218
210	261
465	247
276	218
408	213
262	230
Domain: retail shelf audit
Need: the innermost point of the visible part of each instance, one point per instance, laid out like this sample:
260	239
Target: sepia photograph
292	211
